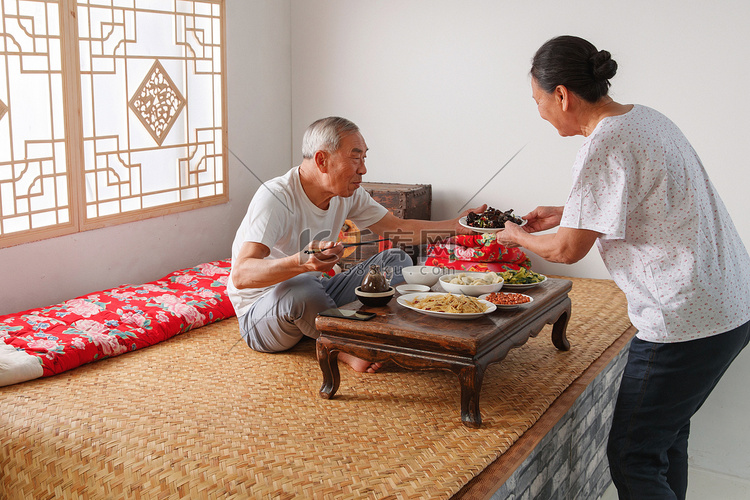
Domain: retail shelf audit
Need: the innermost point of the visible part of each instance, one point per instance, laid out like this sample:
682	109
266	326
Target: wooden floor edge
482	486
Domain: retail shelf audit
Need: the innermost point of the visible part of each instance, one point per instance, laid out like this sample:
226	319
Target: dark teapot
374	281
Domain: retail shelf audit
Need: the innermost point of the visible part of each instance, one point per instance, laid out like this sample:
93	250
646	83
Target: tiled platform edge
570	462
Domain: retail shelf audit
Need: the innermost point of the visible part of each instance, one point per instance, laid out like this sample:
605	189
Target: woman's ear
562	97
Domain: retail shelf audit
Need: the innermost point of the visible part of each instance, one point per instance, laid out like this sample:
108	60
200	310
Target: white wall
440	89
46	272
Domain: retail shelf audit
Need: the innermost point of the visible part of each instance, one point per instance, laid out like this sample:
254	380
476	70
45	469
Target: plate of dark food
490	221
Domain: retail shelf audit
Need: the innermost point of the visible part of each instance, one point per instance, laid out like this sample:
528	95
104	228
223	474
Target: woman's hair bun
575	63
602	65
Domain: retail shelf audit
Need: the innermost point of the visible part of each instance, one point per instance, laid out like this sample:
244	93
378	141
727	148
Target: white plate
412	296
462	221
507	306
510	287
407	288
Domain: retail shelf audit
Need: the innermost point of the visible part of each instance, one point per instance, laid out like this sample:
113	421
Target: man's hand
462	230
542	218
251	269
322	255
417	231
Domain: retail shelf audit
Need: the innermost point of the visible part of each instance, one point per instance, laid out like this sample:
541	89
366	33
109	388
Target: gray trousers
278	320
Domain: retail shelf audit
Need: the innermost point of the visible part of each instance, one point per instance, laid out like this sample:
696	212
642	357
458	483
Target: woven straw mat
203	416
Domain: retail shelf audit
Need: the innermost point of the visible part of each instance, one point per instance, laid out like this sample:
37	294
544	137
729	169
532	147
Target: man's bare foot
358	364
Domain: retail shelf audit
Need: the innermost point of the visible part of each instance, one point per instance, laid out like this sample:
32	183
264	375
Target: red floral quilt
111	322
475	252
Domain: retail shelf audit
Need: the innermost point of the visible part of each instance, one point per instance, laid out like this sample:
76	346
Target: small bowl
421	275
404	289
374	299
473	290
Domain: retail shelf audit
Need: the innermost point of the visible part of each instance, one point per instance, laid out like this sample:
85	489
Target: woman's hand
509	236
542	218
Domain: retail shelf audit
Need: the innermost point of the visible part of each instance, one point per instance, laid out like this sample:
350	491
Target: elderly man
276	289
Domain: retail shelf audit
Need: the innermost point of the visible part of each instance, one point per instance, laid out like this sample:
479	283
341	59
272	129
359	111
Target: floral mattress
50	340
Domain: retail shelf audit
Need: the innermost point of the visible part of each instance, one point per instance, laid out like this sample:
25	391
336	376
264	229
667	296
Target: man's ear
321	160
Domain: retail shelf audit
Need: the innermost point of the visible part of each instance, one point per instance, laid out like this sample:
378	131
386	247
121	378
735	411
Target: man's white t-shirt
283	218
667	238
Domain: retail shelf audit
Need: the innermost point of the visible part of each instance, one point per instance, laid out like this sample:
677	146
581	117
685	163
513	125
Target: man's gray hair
325	135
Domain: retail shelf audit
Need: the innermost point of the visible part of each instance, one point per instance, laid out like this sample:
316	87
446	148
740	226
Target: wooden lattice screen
110	111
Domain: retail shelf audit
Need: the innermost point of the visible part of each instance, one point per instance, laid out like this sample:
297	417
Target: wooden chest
406	201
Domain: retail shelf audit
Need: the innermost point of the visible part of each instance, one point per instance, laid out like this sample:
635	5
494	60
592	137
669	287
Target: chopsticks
347	245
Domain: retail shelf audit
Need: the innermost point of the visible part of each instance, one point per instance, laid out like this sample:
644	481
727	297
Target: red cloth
467	265
476	248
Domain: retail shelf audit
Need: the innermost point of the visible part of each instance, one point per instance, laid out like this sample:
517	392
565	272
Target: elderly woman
641	194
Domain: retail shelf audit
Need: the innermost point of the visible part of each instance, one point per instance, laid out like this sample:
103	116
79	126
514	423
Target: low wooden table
465	347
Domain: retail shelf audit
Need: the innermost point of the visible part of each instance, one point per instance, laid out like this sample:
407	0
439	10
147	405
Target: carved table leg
329	365
560	326
470	378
